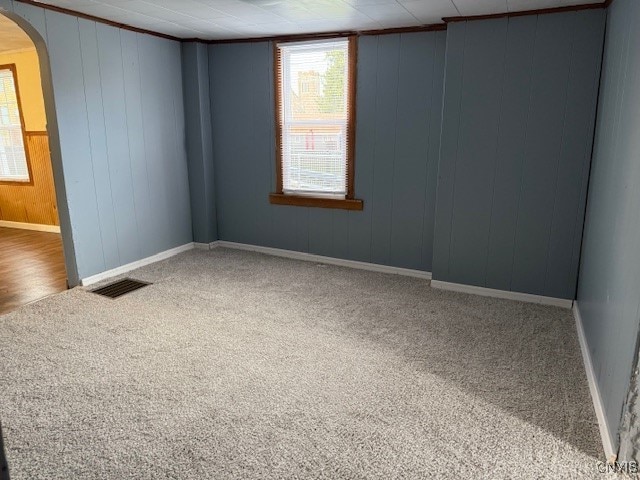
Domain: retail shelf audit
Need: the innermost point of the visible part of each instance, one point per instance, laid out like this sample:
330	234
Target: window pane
314	117
13	159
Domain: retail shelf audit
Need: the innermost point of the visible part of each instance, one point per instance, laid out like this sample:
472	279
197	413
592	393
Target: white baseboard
491	292
605	433
30	226
137	264
310	257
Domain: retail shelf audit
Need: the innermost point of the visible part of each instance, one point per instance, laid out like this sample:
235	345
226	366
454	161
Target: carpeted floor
240	365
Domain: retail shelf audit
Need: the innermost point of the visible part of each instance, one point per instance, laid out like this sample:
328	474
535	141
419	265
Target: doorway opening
32	261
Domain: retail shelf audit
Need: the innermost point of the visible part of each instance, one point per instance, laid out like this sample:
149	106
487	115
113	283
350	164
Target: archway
32	172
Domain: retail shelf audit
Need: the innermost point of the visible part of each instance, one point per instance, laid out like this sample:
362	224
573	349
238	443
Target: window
315	119
14	166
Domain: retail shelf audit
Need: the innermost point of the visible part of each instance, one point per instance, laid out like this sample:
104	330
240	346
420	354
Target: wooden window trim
349	202
14	72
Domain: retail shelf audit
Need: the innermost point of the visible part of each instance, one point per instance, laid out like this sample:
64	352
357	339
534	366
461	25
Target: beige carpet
240	365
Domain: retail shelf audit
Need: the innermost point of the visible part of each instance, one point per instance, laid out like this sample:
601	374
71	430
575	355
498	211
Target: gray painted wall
519	109
195	73
609	284
120	117
399	98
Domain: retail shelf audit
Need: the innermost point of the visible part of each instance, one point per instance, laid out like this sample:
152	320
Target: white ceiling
227	19
12	37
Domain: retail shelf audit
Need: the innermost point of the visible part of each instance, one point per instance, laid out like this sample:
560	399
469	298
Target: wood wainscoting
34	202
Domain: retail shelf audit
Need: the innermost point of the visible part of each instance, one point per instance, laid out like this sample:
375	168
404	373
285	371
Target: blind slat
313	86
13	158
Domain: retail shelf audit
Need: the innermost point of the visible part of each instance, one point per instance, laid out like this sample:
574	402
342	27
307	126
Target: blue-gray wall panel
117	136
577	142
479	115
384	157
135	125
195	71
433	150
98	142
366	87
512	130
120	117
399	77
548	98
454	67
63	41
165	150
516	137
412	135
609	282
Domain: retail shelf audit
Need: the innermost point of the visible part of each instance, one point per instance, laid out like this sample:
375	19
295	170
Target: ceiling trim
434	27
305	36
314	36
93	18
540	11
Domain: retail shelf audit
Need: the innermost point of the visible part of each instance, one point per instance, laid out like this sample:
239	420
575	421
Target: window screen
313	117
13	158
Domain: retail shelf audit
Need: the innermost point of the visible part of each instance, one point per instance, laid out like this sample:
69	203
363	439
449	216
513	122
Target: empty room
340	239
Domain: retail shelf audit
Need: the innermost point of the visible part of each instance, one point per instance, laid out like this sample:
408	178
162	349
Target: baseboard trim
491	292
39	227
310	257
605	435
137	264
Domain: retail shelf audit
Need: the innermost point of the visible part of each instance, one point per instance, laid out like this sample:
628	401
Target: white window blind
13	159
313	78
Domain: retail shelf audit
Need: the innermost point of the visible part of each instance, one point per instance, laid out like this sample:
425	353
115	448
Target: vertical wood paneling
34	203
518	112
120	117
577	140
98	143
609	279
411	152
384	157
115	126
512	134
263	140
555	39
135	136
433	153
367	84
181	232
63	42
199	140
320	234
454	66
399	77
231	93
480	102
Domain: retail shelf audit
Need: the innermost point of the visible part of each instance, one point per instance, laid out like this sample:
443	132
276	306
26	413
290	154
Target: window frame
281	198
14	71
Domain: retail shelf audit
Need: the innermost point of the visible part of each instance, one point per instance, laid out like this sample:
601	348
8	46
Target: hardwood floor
31	267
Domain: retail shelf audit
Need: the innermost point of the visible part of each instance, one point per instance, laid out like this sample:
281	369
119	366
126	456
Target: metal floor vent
119	288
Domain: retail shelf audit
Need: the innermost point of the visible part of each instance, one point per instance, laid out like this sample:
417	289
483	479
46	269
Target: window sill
17	183
303	201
